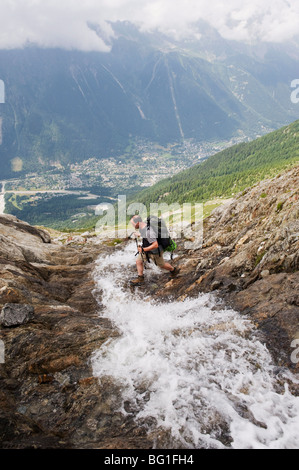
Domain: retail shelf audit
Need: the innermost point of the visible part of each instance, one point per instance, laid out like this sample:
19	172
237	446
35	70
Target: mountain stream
194	370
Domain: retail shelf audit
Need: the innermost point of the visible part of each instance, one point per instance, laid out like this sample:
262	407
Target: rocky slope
50	323
250	257
50	327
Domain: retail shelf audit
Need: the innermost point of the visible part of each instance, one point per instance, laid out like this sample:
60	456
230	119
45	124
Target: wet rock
265	273
216	285
16	314
48	397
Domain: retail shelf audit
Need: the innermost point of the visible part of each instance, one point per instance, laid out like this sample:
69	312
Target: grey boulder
16	314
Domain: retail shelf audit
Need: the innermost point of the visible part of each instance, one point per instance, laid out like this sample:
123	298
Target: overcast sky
63	23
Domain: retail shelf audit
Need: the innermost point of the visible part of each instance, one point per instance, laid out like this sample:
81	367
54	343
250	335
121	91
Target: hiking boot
138	281
174	272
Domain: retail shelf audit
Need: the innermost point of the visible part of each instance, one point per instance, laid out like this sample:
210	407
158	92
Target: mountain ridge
77	105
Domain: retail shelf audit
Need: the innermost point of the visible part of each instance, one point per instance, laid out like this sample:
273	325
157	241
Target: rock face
16	314
250	257
50	328
51	323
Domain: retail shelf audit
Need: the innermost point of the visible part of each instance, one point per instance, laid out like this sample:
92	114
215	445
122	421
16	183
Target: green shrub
259	257
279	207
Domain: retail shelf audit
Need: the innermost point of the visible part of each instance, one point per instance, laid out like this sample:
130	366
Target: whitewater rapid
195	369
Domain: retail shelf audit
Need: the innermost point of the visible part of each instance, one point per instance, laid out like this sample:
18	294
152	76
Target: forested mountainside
229	171
220	176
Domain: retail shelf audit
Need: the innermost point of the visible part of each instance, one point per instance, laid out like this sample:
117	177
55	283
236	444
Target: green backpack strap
172	246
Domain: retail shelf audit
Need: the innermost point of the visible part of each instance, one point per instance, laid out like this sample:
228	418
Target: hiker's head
136	221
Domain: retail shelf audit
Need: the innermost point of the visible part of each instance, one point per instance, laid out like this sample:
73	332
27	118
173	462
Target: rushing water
194	369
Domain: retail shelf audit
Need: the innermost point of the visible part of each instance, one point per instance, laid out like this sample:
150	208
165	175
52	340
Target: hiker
150	250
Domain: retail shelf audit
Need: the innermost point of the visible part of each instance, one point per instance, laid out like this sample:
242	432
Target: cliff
50	323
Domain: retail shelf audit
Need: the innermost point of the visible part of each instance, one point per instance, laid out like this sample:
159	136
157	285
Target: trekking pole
130	238
136	246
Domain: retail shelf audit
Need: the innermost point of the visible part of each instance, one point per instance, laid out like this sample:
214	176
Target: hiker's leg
161	263
173	271
139	264
140	279
168	267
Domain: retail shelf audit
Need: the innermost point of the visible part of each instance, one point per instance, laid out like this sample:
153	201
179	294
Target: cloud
50	23
64	23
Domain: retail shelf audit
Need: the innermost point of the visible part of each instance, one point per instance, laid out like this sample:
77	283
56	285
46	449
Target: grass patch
279	207
259	258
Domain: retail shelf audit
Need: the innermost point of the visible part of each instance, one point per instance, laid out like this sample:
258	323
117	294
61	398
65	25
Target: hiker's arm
153	246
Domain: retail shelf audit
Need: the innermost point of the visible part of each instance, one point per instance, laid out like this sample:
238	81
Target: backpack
159	227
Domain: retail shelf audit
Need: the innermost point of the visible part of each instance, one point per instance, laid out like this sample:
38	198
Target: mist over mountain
65	106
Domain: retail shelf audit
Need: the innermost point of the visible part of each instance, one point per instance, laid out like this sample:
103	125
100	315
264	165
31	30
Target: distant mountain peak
71	105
